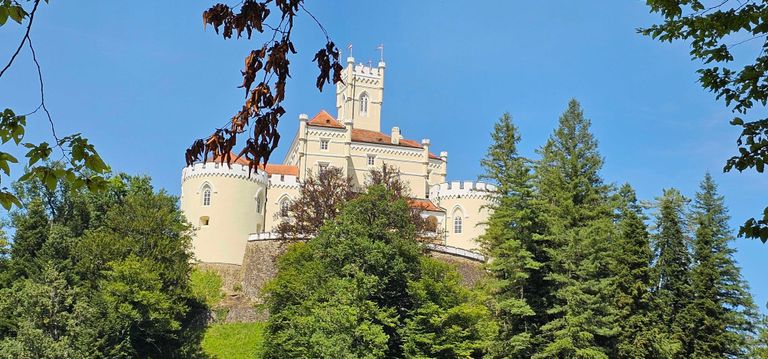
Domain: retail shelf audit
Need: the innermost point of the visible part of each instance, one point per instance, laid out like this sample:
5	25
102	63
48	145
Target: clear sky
141	80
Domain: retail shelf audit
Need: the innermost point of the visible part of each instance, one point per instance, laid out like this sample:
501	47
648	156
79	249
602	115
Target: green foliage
13	10
351	291
99	274
576	210
722	310
234	340
449	321
514	289
83	167
672	283
638	337
206	287
713	32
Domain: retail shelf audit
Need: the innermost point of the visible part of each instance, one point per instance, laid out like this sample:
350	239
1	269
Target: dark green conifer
578	217
672	282
631	267
722	310
516	279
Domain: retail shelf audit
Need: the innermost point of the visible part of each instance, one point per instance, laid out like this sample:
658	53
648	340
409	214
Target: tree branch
23	39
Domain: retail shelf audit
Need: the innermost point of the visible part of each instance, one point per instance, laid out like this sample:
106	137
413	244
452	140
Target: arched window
284	204
364	103
259	201
206	195
457	221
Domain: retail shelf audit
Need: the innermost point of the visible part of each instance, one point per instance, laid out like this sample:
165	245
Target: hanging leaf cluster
265	75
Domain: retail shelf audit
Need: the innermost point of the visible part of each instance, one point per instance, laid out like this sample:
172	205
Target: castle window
206	195
371	160
458	221
324	145
322	167
259	200
364	104
284	208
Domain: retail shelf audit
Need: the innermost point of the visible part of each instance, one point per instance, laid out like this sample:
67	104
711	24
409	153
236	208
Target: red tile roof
324	119
424	204
282	170
240	161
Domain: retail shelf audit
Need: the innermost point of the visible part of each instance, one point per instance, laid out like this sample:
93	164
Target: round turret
466	207
224	205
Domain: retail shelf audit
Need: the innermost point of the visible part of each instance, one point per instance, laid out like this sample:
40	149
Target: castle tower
359	97
224	205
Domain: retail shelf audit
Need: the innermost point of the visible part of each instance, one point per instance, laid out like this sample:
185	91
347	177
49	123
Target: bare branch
23	39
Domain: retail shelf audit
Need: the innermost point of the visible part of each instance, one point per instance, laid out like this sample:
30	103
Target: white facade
227	206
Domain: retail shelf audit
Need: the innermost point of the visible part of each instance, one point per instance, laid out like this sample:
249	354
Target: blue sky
141	80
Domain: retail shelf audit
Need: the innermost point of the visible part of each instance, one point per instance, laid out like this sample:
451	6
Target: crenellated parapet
215	169
462	189
283	181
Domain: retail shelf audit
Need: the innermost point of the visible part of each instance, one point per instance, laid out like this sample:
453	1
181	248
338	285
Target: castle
230	207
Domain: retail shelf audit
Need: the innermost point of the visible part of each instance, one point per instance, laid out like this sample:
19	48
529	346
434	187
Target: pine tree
509	241
722	312
32	230
577	213
672	284
631	267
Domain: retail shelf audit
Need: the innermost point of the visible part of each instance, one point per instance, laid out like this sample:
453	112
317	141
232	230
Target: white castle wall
233	211
469	201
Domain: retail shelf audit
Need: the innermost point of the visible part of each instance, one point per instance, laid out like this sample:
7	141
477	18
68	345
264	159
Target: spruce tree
672	284
516	279
631	267
32	230
722	311
574	199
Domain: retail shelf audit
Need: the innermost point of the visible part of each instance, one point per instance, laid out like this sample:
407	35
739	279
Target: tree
714	32
516	277
577	215
104	274
672	282
632	257
320	199
722	311
350	291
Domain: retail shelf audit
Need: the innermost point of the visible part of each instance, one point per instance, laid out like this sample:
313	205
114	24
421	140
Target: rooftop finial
381	50
350	59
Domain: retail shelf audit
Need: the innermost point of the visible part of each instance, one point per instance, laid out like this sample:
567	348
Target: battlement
365	70
218	169
462	189
280	180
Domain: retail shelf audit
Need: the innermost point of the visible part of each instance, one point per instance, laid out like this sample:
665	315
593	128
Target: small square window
324	145
371	160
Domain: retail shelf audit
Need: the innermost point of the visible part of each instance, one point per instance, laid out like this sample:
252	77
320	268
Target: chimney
396	135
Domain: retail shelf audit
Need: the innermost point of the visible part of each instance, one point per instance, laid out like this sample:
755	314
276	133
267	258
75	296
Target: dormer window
324	144
364	104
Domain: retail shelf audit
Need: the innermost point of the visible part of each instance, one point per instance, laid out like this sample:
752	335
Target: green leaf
3	15
7	200
17	13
